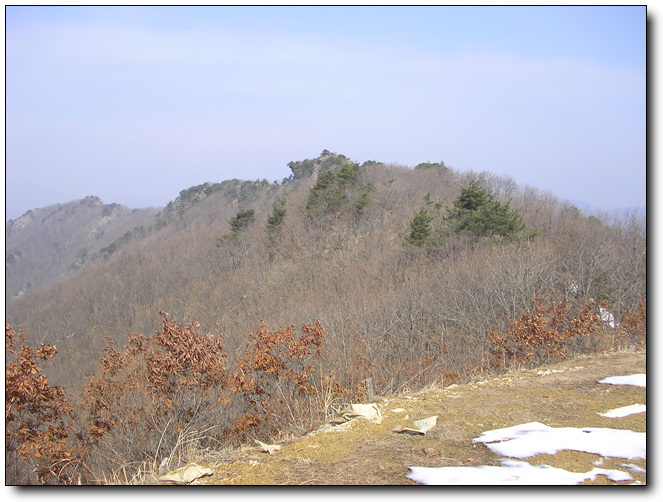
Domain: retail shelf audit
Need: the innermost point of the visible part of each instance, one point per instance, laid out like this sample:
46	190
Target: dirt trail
560	395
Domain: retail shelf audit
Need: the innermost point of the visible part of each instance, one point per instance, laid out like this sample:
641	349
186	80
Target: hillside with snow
582	421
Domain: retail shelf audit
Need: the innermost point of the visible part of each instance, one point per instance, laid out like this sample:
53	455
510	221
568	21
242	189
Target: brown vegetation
543	334
36	413
153	400
406	316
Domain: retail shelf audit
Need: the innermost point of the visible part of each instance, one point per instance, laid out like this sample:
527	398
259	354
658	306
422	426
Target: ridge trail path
566	394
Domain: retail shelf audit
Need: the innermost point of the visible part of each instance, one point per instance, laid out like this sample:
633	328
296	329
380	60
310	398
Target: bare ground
558	395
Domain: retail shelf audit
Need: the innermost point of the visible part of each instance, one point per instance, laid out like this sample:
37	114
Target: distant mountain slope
50	243
328	243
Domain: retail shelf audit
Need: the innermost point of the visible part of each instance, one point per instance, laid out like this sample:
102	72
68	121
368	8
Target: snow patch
638	380
530	439
625	411
510	472
634	468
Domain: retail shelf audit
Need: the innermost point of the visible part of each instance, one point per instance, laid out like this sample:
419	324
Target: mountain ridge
339	254
47	244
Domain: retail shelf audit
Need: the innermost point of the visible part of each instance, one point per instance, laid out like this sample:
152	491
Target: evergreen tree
470	199
326	195
242	219
420	228
476	212
360	204
277	216
339	190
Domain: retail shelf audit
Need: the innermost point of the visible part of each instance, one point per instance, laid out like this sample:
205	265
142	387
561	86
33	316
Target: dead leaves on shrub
174	359
36	413
542	333
277	378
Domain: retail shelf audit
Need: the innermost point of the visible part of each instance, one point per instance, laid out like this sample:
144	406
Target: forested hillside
53	243
404	275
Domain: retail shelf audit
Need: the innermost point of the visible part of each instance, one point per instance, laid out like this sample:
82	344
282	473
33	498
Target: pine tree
476	212
242	220
420	228
277	216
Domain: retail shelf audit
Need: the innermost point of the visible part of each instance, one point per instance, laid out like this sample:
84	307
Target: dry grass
564	394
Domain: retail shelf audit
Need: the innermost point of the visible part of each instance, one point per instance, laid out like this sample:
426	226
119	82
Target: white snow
639	380
511	472
633	467
530	439
625	411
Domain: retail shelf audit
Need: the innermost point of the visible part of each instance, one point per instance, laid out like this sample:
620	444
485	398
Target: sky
135	104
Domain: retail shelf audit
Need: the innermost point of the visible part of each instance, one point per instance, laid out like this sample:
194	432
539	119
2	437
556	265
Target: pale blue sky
135	104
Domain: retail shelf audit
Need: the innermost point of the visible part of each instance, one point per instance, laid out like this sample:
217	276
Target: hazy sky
135	104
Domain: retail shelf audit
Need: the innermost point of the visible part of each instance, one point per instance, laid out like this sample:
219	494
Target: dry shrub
155	399
633	328
37	417
277	379
542	334
160	401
